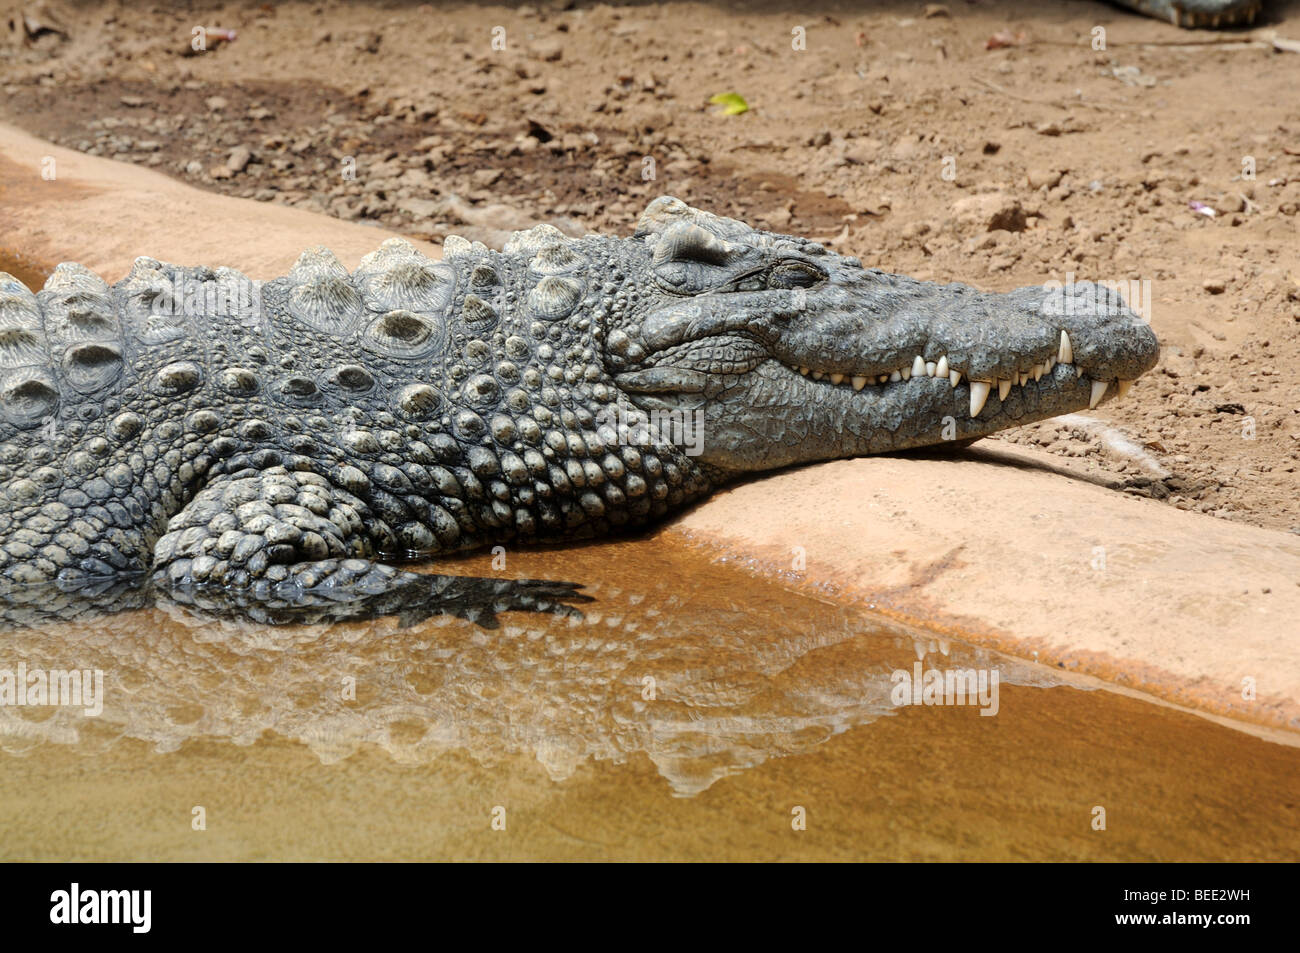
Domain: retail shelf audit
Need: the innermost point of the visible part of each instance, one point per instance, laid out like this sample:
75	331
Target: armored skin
285	442
1199	14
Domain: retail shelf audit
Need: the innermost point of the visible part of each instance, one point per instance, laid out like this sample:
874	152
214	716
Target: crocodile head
768	350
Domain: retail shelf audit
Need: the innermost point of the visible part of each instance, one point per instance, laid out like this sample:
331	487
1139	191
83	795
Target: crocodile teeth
1038	371
1123	387
859	383
941	368
895	377
1022	379
804	371
837	378
979	393
918	366
1078	372
954	377
905	373
1004	388
882	379
818	375
1098	392
930	368
1066	354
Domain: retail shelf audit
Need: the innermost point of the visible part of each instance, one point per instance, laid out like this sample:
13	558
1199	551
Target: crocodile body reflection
702	675
475	599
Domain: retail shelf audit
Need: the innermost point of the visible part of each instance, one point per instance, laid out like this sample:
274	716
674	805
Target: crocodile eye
793	274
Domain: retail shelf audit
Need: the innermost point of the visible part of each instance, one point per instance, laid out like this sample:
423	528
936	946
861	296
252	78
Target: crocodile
288	443
1199	14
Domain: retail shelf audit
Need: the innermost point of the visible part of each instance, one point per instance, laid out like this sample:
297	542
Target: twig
1203	47
1083	42
1059	104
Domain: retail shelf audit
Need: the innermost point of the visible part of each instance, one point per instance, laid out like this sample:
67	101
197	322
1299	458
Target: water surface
695	713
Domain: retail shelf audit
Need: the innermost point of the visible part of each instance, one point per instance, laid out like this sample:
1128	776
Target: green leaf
733	104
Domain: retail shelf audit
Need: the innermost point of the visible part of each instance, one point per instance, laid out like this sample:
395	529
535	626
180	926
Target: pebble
240	156
1043	178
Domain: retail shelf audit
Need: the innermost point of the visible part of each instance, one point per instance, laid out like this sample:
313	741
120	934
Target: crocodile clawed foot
478	599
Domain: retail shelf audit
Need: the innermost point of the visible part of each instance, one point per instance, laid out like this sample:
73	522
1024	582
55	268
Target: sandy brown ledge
105	214
998	547
994	545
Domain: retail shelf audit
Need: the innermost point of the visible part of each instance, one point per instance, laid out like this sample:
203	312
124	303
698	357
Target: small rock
1132	76
549	51
905	148
1214	286
990	211
240	156
216	103
862	151
936	10
779	218
134	102
1043	178
419	208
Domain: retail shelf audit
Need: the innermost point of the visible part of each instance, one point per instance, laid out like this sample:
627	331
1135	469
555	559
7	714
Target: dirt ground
894	133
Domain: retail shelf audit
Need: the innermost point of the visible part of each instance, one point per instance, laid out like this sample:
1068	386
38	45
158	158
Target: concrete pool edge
104	214
994	548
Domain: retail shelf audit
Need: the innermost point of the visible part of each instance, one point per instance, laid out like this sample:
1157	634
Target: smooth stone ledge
105	214
999	546
995	545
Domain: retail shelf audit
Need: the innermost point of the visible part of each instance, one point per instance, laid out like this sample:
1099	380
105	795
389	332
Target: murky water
695	713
